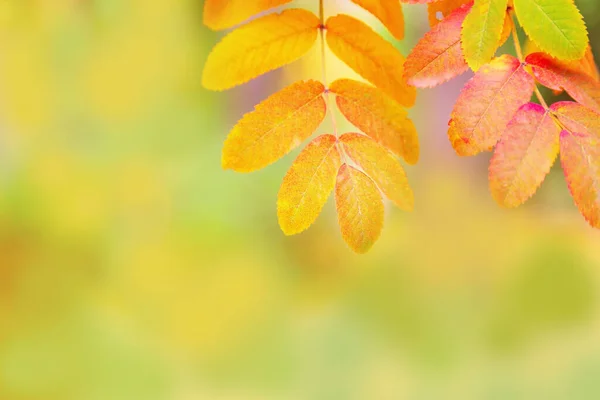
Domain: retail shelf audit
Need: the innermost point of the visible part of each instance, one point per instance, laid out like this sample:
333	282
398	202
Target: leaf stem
324	68
519	52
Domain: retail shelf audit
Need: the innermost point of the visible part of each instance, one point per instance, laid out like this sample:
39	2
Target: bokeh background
133	267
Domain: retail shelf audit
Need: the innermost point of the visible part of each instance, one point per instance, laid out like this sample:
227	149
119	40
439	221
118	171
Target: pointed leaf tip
359	208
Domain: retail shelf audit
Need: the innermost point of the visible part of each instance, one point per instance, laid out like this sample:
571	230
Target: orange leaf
381	166
524	155
389	12
580	159
275	127
223	14
439	10
558	76
438	56
377	115
307	185
359	207
260	46
577	118
487	102
370	56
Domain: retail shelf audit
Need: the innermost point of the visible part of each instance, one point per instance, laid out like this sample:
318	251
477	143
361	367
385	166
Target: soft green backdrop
133	267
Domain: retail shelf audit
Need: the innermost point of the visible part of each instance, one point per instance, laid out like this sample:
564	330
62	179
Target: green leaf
481	31
556	26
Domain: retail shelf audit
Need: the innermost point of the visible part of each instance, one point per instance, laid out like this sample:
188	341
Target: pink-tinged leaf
487	103
438	56
381	166
577	118
580	159
359	207
307	185
560	76
524	155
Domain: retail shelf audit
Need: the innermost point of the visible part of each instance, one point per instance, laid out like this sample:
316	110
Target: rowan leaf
487	103
438	56
378	115
275	127
577	118
556	26
307	185
482	31
389	12
524	155
223	14
580	159
381	166
558	75
371	56
258	47
359	208
439	10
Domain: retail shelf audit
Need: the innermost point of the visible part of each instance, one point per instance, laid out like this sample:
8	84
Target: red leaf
438	56
558	76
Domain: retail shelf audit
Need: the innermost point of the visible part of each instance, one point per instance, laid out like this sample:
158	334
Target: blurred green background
133	267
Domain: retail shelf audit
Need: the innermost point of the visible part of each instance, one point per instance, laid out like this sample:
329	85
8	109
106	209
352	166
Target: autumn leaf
438	56
577	118
359	208
439	10
276	126
556	26
377	115
482	30
524	155
558	76
487	103
372	57
307	185
381	166
580	156
260	46
223	14
580	159
389	12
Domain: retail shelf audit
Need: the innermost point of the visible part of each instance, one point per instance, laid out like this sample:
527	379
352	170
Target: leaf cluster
360	168
494	111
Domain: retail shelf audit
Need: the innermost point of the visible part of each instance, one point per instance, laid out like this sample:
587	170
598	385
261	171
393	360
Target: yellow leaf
379	116
389	12
275	127
260	46
381	166
307	185
370	56
223	14
359	207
